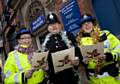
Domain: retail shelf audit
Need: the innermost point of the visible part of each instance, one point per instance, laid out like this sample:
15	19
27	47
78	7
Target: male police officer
57	40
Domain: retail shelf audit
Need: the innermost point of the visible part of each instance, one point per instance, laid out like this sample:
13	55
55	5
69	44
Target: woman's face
54	28
87	27
25	39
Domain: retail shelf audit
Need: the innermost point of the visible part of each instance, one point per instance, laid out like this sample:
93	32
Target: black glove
103	37
108	57
111	69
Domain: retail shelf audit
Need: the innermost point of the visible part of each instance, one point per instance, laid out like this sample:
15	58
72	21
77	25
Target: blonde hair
95	34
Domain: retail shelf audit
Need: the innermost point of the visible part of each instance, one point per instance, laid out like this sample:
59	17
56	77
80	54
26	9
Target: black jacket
54	44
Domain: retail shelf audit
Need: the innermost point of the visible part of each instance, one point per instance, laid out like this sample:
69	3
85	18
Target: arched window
35	9
35	15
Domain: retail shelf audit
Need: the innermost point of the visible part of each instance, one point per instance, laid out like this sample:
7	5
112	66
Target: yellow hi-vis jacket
111	44
15	66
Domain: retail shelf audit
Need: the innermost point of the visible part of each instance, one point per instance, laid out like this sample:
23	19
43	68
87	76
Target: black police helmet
52	18
22	31
86	18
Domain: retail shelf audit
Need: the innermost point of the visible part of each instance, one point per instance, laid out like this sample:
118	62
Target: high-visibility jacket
16	65
111	44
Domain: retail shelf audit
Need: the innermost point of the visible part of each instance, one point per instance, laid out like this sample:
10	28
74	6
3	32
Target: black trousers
65	77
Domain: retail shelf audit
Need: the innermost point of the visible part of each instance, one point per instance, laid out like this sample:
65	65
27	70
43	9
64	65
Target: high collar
25	50
86	35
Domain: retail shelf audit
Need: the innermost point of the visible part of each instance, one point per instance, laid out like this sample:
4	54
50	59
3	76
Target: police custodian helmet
86	18
22	31
52	18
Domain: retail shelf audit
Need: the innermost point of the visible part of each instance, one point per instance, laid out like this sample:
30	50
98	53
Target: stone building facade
29	13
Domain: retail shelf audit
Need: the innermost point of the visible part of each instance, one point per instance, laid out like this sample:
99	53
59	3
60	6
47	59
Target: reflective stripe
117	78
105	74
106	44
117	55
7	74
16	81
91	74
17	60
118	46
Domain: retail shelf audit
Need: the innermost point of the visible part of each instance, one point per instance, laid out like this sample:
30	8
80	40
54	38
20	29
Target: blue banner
70	14
40	21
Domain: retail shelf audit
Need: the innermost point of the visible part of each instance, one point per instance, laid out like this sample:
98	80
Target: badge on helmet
86	18
52	18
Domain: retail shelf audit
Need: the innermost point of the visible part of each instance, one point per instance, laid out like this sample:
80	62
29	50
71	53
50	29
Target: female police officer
17	68
90	34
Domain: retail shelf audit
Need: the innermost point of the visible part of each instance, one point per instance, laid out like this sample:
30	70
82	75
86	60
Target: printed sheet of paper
39	59
92	50
61	59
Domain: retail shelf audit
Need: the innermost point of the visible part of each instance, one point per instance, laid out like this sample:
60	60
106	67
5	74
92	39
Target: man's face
87	27
25	39
54	28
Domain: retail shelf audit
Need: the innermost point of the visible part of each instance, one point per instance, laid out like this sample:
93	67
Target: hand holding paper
29	73
62	59
39	60
94	53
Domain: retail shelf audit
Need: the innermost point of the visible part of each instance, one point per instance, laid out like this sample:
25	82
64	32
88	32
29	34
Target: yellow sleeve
114	46
12	75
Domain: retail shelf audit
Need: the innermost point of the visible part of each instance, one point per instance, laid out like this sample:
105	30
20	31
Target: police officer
57	40
17	68
90	34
